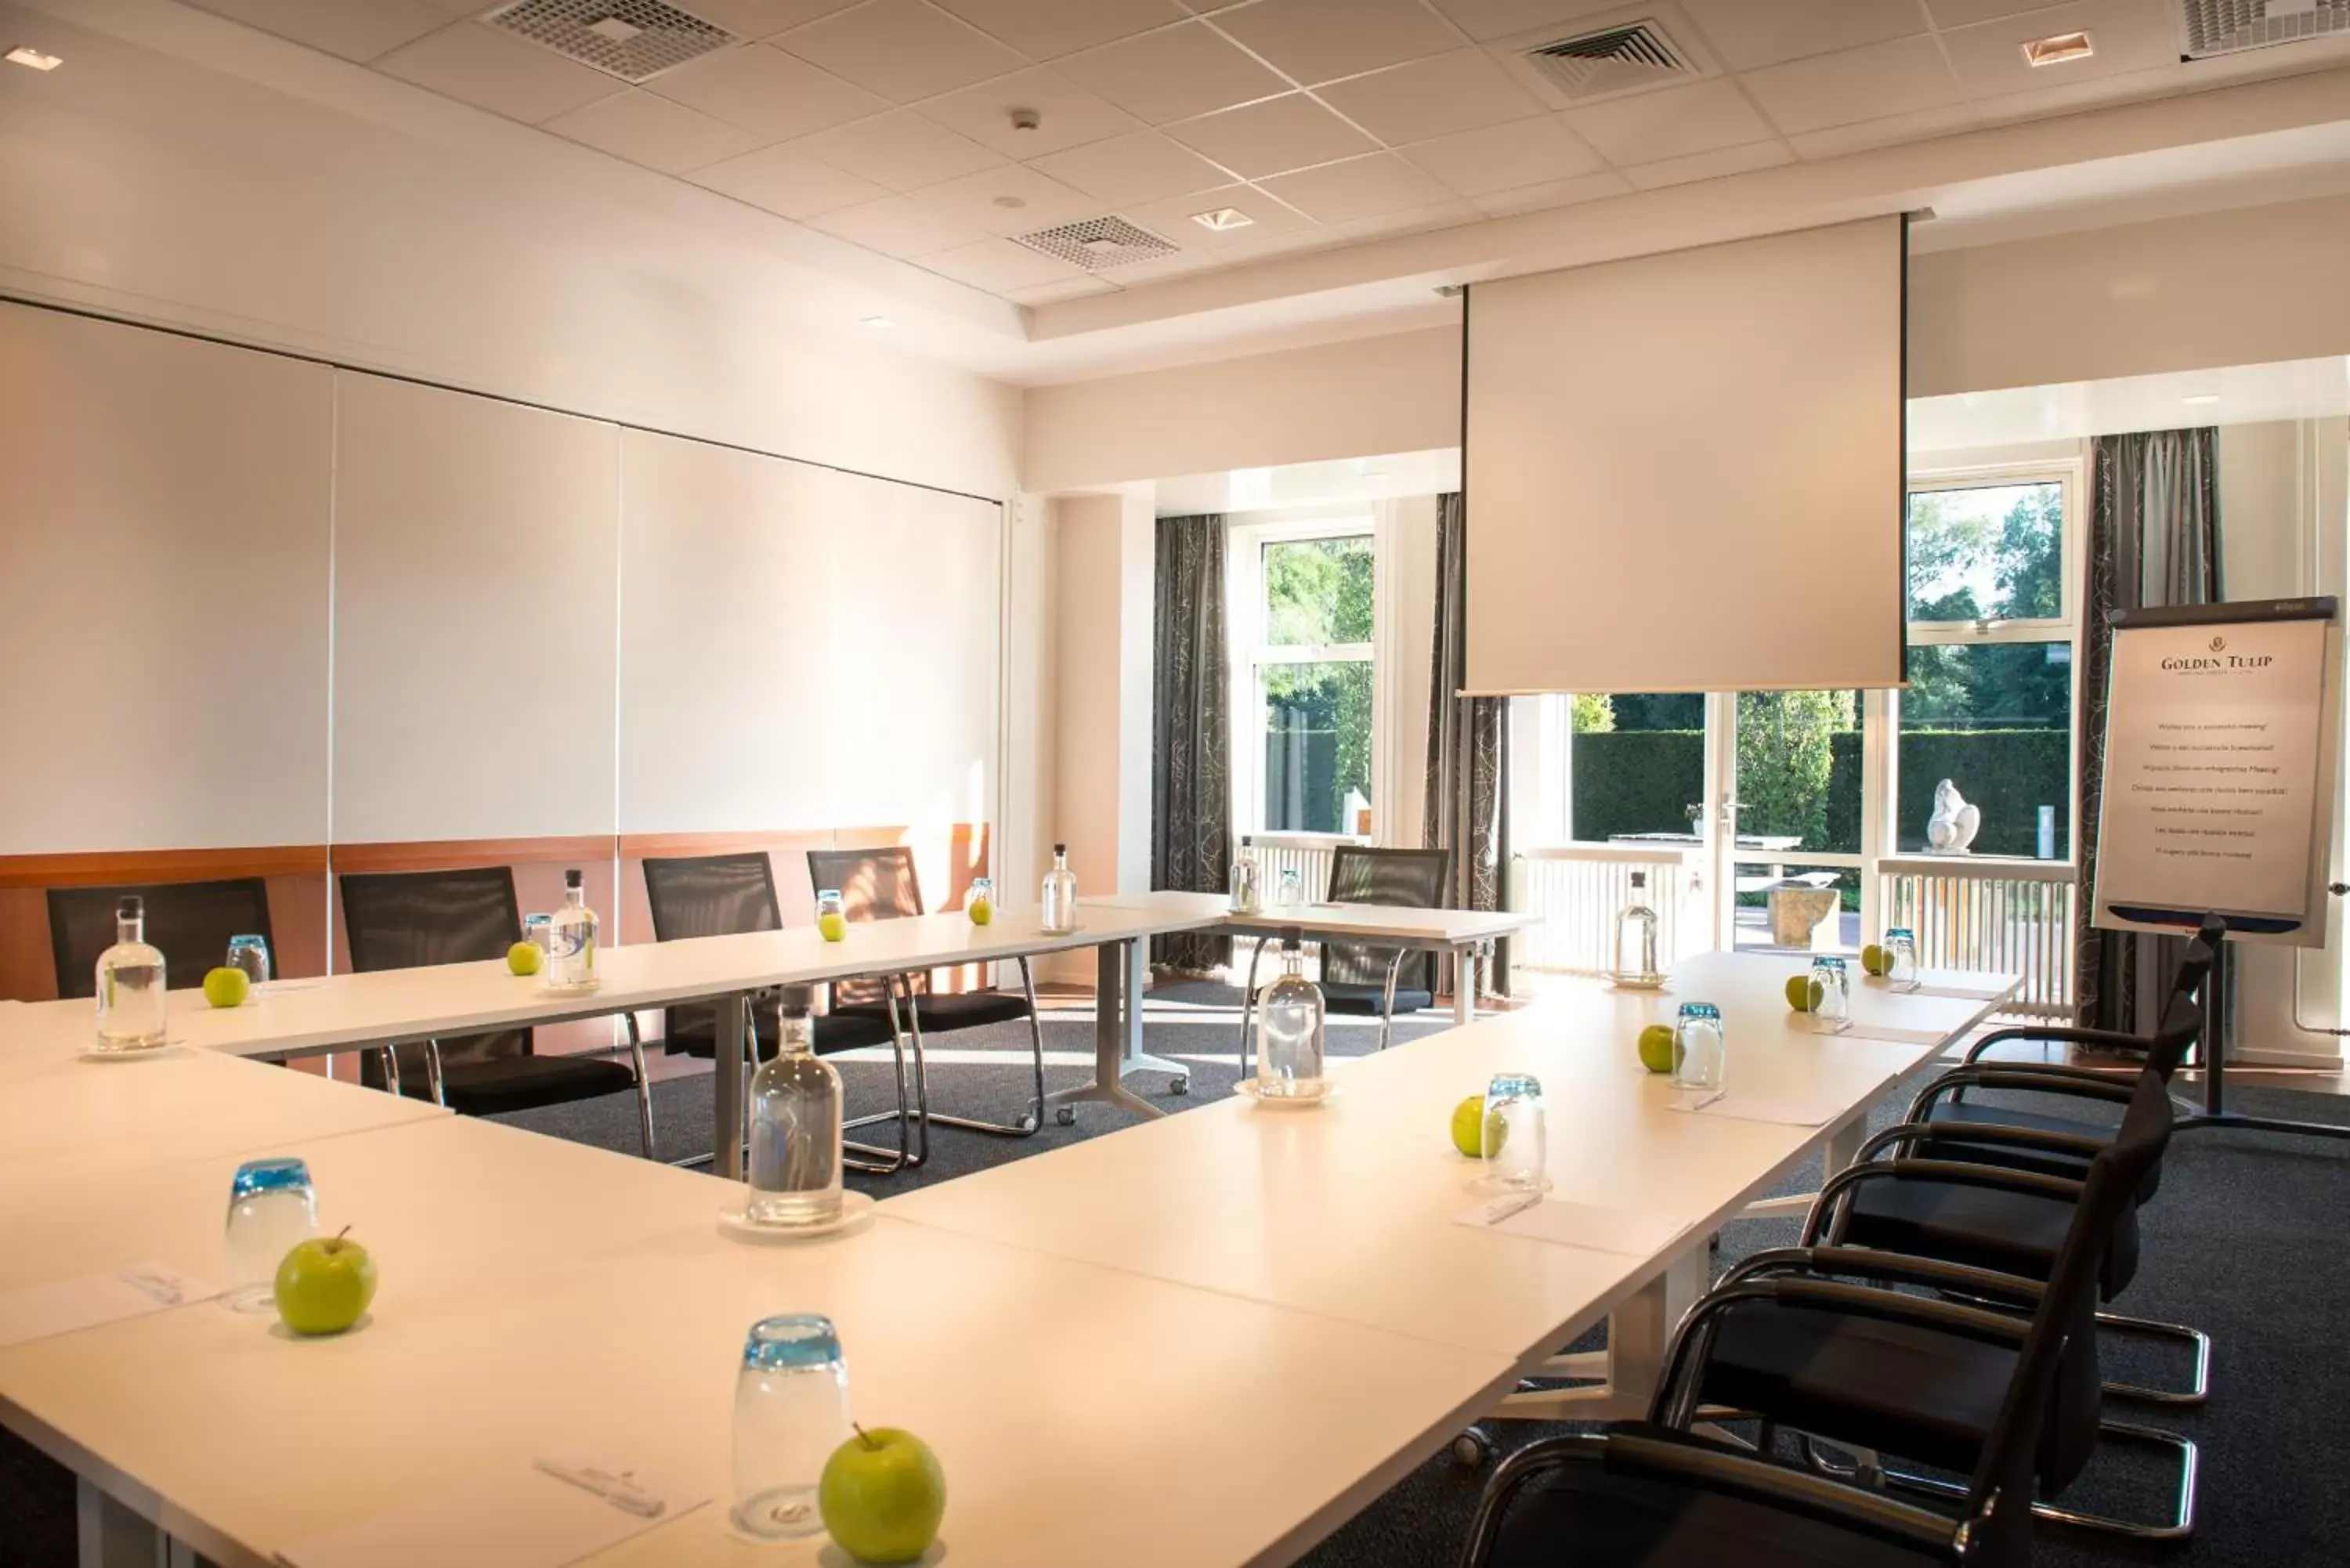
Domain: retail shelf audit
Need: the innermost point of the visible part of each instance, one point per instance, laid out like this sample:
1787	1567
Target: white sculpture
1954	823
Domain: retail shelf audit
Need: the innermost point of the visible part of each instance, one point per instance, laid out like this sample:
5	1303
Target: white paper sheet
1954	982
1628	1231
518	1518
1758	1108
61	1306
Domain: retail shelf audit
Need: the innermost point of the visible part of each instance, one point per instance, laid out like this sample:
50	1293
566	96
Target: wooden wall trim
638	846
102	867
449	854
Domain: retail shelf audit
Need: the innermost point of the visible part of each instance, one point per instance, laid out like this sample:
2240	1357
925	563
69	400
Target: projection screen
1683	472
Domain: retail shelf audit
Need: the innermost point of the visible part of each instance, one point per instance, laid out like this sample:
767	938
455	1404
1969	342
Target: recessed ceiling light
28	55
1223	219
878	322
2201	400
2058	47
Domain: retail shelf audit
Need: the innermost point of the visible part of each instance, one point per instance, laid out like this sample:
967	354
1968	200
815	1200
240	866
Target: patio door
1788	816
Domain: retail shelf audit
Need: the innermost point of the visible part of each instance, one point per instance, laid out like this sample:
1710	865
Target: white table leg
108	1535
1133	1057
1464	985
726	1115
1118	1033
1638	1333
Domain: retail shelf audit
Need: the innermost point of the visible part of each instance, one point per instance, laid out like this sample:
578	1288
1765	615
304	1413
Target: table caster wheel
1066	1116
1180	1087
1473	1449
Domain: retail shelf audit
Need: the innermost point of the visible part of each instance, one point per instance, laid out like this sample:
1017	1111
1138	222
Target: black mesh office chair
881	885
413	919
1653	1495
724	895
189	922
1365	981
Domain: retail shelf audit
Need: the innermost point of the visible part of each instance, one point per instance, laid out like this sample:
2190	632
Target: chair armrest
1957	1173
1895	1268
1921	1133
1685	1462
2062	1034
2085	1083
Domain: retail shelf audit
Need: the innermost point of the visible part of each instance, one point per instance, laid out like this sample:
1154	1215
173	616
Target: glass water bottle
1290	1028
129	984
1635	938
1248	885
571	939
795	1121
1060	893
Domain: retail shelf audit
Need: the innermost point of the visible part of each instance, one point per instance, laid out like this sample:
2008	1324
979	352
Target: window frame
1246	540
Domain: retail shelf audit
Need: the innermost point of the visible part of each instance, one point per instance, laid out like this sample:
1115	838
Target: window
1639	767
1305	596
1991	641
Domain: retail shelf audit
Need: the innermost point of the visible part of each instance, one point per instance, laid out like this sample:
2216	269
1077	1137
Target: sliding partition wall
262	616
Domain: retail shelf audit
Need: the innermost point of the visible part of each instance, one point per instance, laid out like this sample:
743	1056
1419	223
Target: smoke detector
634	40
2214	27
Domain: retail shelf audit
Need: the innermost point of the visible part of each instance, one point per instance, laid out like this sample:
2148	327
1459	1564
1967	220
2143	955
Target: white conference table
1346	1211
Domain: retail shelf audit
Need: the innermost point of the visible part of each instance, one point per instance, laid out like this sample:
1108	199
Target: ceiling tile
902	49
1891	132
1670	122
1001	266
646	129
2128	36
1411	221
767	92
1552	194
1143	167
1173	219
1273	137
1959	13
787	183
1505	157
1359	187
1708	165
1174	73
1067	115
1054	292
1047	29
497	71
1499	18
1866	83
1750	33
1435	97
757	18
902	150
979	199
355	29
898	227
1321	40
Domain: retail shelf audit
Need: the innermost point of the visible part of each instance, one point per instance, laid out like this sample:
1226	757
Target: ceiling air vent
634	40
1098	243
1612	61
2227	27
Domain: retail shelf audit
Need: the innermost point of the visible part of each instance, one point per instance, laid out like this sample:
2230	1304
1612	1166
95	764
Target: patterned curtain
1467	802
1191	730
2154	539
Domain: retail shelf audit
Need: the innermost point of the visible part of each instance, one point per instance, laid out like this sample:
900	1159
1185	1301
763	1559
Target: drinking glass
981	903
270	1207
1515	1141
250	954
1292	891
791	1411
1831	991
1700	1048
536	929
1901	958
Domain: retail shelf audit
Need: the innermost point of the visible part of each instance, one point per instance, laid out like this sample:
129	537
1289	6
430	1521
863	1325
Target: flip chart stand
2211	1057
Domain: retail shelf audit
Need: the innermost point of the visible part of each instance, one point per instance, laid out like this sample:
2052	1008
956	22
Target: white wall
163	590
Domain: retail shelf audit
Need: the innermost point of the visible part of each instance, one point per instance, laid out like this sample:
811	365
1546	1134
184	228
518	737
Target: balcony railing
1990	913
1579	889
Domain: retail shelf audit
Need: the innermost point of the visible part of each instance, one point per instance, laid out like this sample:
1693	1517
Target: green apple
832	926
226	987
882	1495
525	958
983	911
1803	992
1657	1047
1874	959
325	1284
1471	1124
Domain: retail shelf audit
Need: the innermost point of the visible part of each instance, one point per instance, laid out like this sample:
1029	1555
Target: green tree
1786	753
1594	715
1318	594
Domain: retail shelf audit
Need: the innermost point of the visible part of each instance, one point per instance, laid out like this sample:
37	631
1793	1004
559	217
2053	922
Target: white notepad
519	1517
61	1306
1628	1231
1743	1107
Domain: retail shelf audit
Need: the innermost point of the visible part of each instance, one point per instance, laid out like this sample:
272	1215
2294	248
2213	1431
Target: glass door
1791	816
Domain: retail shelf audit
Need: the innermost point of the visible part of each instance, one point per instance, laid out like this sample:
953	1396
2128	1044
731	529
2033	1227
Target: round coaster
855	1212
1250	1089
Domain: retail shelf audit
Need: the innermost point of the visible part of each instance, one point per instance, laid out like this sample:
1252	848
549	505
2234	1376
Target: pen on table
1501	1209
618	1490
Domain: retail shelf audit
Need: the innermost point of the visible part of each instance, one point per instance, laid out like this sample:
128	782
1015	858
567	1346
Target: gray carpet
2244	1240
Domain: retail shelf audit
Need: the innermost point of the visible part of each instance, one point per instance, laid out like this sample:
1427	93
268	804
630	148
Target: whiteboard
2218	793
